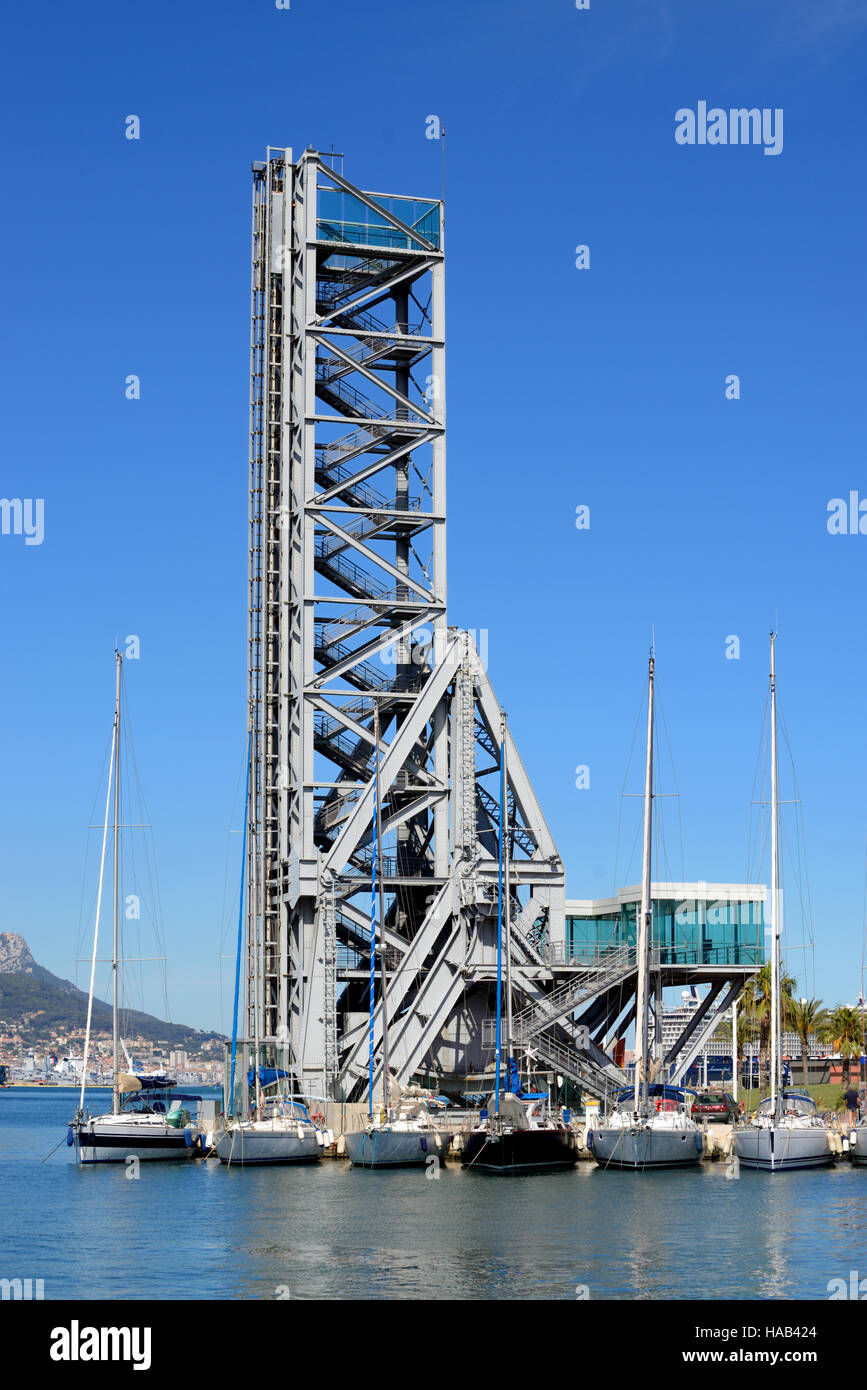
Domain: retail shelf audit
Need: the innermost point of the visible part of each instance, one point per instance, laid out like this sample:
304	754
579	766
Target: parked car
716	1105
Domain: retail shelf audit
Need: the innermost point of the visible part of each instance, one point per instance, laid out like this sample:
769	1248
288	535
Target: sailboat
268	1123
140	1124
276	1129
650	1125
517	1133
787	1131
858	1143
401	1133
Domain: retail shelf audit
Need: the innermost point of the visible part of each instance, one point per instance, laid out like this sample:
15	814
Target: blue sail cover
513	1079
267	1075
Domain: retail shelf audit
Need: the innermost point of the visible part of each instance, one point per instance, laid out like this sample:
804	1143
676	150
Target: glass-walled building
693	924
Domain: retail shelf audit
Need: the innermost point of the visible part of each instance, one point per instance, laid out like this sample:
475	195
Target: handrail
569	996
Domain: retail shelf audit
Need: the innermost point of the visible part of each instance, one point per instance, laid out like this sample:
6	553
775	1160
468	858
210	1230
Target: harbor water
199	1230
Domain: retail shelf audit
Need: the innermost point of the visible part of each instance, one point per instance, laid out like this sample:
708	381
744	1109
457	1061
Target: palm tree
757	1002
843	1030
808	1017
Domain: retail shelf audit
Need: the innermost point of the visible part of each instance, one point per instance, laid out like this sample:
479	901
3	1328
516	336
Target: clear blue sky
603	387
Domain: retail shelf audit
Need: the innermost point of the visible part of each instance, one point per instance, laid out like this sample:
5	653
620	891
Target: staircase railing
569	996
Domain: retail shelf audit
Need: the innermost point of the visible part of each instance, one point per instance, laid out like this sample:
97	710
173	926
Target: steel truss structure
347	613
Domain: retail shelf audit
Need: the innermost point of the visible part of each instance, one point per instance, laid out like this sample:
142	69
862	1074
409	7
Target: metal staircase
599	1078
564	1000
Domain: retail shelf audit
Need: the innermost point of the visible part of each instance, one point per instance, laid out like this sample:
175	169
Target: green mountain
42	1007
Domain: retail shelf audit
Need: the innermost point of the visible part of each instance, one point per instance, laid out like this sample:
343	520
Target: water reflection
198	1230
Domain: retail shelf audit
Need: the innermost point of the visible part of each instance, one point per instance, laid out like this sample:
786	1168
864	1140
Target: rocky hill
41	1006
16	959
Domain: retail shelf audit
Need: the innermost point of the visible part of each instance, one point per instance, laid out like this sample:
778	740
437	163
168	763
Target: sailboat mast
507	905
230	1099
382	975
116	887
98	912
776	1077
253	934
645	925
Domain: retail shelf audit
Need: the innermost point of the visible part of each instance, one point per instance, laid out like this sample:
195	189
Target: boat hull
521	1151
782	1150
112	1142
245	1146
643	1148
858	1146
386	1148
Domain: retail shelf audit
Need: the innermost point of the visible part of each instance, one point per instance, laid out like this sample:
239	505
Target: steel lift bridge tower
347	614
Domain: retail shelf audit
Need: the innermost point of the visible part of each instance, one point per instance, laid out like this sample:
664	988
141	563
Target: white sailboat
278	1129
650	1125
269	1123
402	1135
858	1143
402	1132
787	1131
139	1124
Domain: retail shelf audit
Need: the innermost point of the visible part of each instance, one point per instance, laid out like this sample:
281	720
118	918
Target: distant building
694	924
675	1019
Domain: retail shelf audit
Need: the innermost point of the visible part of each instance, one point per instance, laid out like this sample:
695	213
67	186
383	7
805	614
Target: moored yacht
650	1125
138	1125
264	1119
660	1133
152	1122
517	1133
786	1131
404	1135
279	1130
858	1143
524	1137
402	1131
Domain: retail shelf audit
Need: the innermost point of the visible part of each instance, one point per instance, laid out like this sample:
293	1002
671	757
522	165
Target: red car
716	1105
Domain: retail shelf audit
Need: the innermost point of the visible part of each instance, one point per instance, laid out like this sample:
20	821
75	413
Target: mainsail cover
267	1076
127	1084
513	1078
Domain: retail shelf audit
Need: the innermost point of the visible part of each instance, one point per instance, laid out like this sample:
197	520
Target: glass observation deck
344	218
686	931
